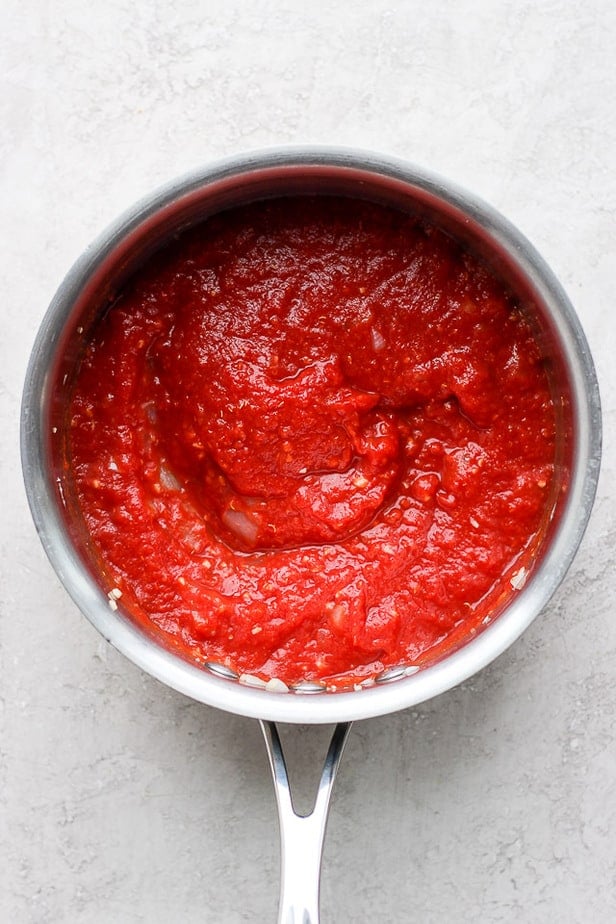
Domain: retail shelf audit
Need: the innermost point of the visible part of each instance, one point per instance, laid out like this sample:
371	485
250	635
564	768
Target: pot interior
92	286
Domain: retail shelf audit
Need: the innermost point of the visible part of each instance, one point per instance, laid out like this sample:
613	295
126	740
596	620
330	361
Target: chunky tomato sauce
313	439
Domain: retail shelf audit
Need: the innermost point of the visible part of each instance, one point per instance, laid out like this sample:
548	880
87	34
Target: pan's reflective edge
363	170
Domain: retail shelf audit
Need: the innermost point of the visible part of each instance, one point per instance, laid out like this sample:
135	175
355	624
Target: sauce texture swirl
312	439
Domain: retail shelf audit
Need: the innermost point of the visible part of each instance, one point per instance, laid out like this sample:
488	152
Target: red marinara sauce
313	439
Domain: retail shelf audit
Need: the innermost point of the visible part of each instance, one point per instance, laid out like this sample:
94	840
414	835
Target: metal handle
301	836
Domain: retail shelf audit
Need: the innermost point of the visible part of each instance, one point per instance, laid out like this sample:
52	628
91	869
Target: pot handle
301	836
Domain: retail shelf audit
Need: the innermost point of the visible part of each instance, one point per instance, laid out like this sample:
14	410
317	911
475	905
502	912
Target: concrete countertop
122	801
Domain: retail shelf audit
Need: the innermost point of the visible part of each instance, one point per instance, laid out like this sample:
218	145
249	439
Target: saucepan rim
406	688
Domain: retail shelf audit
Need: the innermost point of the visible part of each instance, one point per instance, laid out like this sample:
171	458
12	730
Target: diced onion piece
168	479
251	681
150	411
241	524
276	686
378	341
518	579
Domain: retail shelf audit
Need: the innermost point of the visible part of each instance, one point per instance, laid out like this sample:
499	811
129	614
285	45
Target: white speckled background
121	800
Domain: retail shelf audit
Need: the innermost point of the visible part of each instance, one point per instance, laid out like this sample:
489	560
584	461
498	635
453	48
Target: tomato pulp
312	439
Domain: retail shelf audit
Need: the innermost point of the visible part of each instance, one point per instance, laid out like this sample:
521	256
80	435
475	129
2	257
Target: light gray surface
124	802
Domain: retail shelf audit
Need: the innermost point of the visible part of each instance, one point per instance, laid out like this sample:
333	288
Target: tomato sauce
312	439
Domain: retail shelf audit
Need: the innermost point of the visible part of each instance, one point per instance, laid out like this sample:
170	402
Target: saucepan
88	289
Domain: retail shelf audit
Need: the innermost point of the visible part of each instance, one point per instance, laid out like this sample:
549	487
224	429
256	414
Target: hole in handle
301	836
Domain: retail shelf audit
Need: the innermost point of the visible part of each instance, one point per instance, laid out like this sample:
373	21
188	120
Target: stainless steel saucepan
89	287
